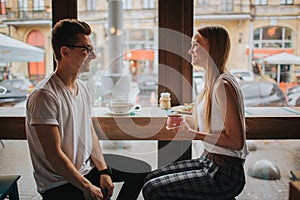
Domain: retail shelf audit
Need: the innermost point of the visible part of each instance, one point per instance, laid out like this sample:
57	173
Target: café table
150	124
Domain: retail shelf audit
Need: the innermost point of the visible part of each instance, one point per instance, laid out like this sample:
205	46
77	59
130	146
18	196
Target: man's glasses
89	49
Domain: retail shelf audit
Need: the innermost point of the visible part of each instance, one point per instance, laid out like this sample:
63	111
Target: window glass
250	91
202	2
23	4
288	34
227	5
19	73
256	34
91	4
140	44
286	2
272	33
38	5
148	4
132	73
2	90
267	89
2	7
267	38
260	2
127	4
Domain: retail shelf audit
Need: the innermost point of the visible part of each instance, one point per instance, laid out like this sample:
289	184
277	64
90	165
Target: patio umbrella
12	50
282	58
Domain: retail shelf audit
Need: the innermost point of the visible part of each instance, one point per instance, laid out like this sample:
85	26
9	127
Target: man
65	152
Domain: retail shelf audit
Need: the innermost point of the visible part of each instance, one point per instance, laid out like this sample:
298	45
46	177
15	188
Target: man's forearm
65	168
97	155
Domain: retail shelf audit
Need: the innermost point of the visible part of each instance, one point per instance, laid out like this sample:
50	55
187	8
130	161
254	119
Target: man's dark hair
65	32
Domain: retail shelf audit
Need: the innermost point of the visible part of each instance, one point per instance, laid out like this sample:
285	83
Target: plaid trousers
195	179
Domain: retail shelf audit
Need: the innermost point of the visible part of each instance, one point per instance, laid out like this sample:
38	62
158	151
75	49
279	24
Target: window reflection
140	43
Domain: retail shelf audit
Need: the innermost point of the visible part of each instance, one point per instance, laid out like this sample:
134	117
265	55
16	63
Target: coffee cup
174	120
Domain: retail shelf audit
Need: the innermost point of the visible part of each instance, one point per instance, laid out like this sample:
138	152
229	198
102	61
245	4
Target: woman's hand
185	130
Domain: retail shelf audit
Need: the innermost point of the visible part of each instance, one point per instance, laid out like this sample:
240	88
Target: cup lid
165	94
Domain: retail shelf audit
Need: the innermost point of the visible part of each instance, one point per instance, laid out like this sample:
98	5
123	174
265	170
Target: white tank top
217	122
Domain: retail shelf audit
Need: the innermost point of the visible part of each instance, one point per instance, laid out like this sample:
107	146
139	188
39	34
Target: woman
219	172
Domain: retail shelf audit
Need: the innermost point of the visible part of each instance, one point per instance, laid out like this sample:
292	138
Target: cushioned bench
9	187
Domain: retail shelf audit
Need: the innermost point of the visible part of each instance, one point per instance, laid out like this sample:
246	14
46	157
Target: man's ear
64	51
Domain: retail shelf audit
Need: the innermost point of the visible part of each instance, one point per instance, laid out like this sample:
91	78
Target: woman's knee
147	191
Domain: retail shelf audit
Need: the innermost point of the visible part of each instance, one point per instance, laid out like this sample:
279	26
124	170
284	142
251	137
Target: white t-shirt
217	122
53	104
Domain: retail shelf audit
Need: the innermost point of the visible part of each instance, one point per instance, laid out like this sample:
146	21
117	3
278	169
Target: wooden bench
9	187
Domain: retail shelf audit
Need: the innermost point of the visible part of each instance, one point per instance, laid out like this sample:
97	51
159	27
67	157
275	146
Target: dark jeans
128	170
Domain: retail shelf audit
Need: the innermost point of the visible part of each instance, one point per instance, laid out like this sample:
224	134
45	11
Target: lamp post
116	70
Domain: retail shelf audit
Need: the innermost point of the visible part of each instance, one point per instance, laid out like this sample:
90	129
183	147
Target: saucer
118	114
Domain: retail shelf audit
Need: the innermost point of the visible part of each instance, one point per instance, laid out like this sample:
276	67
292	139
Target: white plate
182	110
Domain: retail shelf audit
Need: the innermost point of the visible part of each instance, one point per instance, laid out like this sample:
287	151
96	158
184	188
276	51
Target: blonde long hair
219	47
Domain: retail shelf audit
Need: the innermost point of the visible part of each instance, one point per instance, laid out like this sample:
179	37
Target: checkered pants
194	179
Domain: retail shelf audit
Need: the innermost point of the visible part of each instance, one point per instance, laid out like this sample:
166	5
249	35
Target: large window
134	40
273	37
136	37
139	42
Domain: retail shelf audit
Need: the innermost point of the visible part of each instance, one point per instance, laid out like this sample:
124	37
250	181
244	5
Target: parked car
147	83
262	93
22	84
198	81
297	101
292	98
293	94
242	75
294	89
11	95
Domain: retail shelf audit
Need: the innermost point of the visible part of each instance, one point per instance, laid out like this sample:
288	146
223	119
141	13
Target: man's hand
107	186
93	193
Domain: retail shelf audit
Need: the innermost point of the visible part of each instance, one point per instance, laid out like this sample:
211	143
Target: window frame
91	5
286	2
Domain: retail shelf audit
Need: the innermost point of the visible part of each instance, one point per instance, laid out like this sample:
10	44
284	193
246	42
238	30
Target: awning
262	53
12	50
139	54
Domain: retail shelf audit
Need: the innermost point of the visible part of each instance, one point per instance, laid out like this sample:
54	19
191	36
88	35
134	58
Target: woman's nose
190	51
